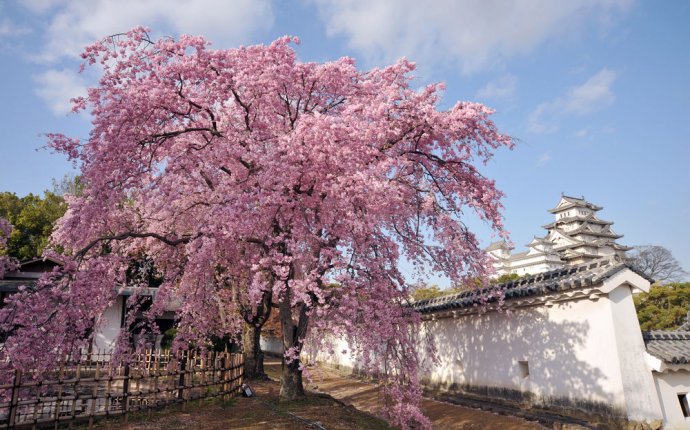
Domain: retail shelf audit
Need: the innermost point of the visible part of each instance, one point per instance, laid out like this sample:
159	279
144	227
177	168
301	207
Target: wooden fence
94	387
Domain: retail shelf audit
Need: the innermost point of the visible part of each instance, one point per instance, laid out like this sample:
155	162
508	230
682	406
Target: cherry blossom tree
252	179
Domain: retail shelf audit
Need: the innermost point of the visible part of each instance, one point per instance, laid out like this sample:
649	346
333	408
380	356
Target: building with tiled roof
29	272
565	341
668	355
576	236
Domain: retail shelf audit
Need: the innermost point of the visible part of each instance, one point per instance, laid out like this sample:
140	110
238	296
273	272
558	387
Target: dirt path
261	412
365	397
356	403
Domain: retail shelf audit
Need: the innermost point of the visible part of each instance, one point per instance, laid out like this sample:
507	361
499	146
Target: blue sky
597	93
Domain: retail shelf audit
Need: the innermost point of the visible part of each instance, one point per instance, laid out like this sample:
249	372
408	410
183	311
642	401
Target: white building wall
109	330
669	385
567	349
271	345
641	400
587	353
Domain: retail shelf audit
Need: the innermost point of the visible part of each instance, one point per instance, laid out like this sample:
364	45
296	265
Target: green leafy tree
665	306
425	292
32	219
507	277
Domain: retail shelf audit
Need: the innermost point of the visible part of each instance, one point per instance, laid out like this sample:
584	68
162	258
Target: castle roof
584	229
588	218
568	202
563	279
500	244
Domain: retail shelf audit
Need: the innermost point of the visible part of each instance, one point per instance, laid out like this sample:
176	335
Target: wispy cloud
501	88
41	6
472	34
543	159
57	87
536	122
582	133
595	94
75	23
592	95
10	29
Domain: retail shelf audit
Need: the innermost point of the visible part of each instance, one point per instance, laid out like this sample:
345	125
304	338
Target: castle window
683	400
524	369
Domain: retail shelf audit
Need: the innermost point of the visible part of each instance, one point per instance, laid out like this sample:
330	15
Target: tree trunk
253	355
291	386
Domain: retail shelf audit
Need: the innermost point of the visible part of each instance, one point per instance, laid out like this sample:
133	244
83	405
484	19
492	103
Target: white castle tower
576	236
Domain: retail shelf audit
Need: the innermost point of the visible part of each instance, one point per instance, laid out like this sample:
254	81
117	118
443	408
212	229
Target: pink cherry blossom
244	174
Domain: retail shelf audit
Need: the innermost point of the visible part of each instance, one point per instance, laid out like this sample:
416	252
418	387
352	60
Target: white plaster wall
110	329
340	355
668	386
642	402
272	345
571	349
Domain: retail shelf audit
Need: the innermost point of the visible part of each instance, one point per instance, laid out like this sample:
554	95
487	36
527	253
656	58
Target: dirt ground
365	397
317	411
354	407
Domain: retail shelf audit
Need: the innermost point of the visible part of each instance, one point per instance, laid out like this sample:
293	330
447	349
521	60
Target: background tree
507	277
665	306
657	263
214	161
7	262
69	184
425	292
32	218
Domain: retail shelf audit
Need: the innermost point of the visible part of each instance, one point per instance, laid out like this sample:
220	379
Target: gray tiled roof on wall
12	285
670	346
543	283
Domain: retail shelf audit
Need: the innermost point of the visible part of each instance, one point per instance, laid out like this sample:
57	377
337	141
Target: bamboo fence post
156	374
58	400
125	392
137	377
240	370
108	387
225	375
14	398
180	370
75	397
94	393
202	379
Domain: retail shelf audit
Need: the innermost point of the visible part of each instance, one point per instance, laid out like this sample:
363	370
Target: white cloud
582	133
75	23
57	87
592	95
474	34
501	88
543	159
595	94
536	122
9	29
40	6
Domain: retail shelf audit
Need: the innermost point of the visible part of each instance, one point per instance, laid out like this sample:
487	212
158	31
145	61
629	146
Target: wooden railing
93	386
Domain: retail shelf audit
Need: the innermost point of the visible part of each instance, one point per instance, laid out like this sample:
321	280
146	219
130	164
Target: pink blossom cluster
246	175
